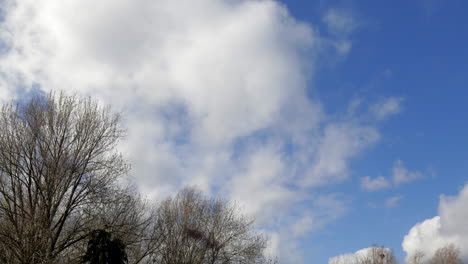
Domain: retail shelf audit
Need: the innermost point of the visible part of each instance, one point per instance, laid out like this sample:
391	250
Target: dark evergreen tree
102	249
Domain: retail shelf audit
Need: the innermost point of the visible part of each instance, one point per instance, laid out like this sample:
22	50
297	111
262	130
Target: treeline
61	201
449	254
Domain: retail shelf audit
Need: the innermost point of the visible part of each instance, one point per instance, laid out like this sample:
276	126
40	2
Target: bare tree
131	220
417	258
372	255
127	218
198	230
449	254
57	159
376	255
58	186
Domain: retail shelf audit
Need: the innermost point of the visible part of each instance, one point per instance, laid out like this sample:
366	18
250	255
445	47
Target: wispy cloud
387	107
341	24
340	21
393	201
325	209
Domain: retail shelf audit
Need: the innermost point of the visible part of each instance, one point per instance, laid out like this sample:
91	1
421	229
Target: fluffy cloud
214	94
400	175
374	184
446	228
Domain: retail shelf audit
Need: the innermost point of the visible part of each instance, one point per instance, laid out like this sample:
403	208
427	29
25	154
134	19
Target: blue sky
336	124
416	50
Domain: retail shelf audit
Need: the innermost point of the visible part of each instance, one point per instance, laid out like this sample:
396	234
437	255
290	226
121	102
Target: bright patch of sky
337	124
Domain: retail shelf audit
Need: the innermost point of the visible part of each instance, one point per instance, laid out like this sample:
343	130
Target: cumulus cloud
400	175
214	94
446	228
374	184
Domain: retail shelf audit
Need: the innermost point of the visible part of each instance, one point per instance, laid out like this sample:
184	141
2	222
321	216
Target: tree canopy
61	200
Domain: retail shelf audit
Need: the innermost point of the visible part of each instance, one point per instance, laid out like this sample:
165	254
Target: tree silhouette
102	249
57	162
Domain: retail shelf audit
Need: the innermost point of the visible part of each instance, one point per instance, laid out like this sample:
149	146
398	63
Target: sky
336	124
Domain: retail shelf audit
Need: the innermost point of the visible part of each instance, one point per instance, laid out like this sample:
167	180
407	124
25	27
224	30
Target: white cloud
388	107
402	175
324	209
448	227
214	93
340	21
341	24
260	185
339	144
304	225
376	184
393	201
